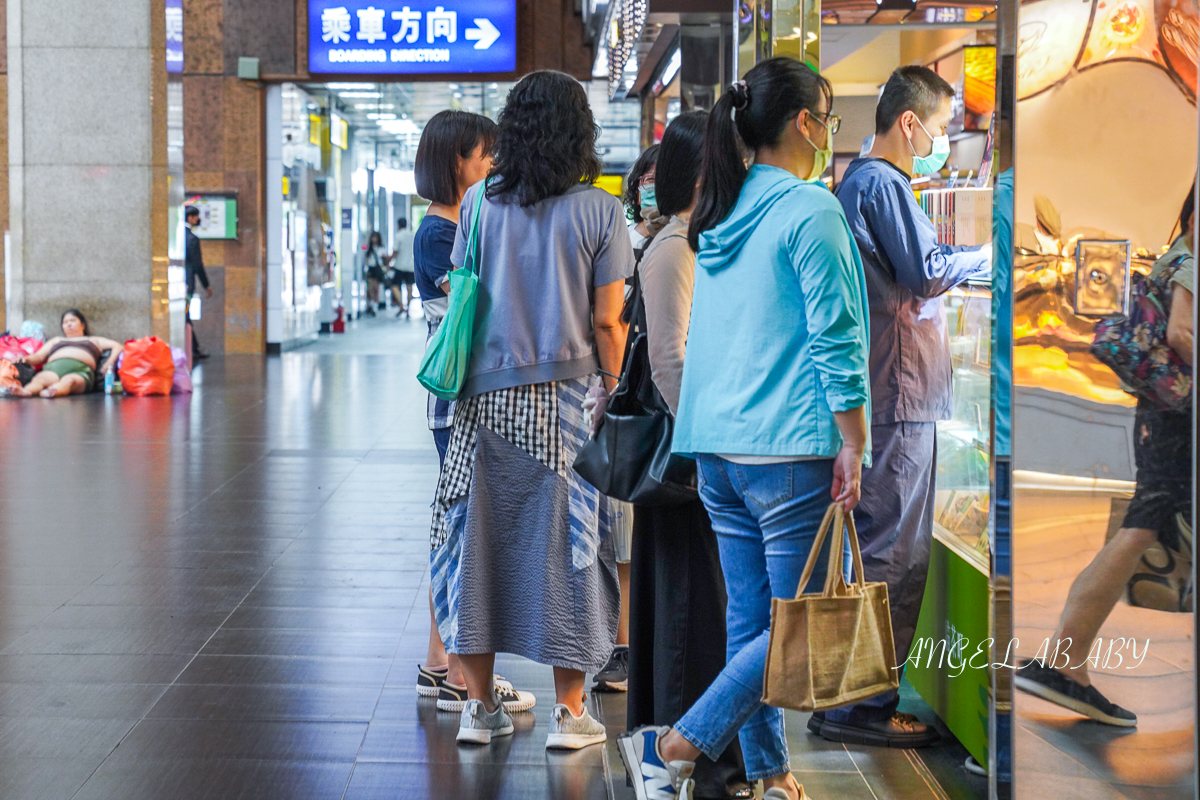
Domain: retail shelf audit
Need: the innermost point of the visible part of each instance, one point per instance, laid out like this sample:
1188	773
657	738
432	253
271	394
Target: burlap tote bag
833	648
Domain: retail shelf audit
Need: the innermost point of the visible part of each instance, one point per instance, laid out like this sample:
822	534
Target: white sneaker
653	778
570	732
477	726
780	794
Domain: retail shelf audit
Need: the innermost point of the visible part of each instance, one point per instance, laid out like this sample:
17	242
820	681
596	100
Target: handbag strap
811	564
471	262
859	576
837	521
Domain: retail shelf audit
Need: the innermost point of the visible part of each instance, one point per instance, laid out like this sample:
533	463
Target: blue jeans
766	518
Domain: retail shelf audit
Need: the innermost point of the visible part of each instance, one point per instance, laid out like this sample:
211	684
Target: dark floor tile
319	578
44	778
126	575
292	670
325	643
60	738
417	560
433	739
330	597
78	700
479	775
268	703
157	739
151	619
110	641
217	780
381	620
194	598
98	669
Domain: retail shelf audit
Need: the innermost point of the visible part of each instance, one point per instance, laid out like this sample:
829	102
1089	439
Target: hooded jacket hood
764	187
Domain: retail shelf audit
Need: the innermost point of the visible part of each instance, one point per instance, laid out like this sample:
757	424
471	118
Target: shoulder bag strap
471	262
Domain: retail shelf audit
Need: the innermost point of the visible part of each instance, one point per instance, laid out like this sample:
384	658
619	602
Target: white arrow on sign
485	32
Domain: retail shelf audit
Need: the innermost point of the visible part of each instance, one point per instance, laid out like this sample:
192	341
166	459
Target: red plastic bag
147	367
14	349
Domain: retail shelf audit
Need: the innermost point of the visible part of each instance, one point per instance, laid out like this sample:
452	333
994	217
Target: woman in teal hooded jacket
774	400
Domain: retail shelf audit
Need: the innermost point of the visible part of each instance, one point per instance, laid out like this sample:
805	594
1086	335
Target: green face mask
648	198
925	165
823	155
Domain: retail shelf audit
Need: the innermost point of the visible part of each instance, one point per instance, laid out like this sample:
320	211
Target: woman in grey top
522	561
677	589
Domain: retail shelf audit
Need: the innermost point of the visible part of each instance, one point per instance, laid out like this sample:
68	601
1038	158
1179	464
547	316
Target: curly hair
545	139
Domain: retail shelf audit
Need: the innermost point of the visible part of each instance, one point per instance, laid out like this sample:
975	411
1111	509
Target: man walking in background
193	269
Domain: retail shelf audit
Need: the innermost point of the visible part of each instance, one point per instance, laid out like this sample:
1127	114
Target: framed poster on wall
218	216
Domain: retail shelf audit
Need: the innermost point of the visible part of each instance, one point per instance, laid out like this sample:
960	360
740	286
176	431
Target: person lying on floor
69	362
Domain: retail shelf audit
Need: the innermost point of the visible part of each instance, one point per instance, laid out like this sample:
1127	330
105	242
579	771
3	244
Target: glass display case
962	489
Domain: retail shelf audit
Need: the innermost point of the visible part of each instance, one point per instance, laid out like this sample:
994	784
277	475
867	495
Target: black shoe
900	730
199	355
1050	684
429	681
370	311
614	676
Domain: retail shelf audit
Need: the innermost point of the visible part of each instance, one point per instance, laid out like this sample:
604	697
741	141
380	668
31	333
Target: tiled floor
1055	535
223	596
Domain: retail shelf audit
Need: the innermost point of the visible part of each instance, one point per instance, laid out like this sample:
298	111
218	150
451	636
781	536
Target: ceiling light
360	94
349	86
381	116
376	106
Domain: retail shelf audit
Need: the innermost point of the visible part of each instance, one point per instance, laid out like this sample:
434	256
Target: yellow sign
287	186
339	131
613	184
314	129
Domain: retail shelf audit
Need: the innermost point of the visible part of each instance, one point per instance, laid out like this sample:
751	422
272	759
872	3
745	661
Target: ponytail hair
752	114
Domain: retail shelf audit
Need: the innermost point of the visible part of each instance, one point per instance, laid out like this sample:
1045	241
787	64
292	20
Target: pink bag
183	376
14	349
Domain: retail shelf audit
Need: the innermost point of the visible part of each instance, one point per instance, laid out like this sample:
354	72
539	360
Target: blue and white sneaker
654	779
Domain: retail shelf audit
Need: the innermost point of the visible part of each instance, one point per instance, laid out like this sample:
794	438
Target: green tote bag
444	368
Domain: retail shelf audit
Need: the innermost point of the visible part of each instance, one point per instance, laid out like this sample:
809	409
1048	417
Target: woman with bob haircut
522	561
455	152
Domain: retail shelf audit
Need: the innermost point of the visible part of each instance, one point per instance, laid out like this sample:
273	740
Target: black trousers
677	629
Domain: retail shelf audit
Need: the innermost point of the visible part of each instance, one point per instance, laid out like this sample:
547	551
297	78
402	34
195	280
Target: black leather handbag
630	456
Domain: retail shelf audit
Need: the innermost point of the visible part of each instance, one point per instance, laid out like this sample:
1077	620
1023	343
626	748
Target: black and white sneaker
454	698
614	676
1050	684
430	680
653	778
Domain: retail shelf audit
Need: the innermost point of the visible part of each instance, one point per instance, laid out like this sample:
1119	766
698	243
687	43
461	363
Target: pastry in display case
962	491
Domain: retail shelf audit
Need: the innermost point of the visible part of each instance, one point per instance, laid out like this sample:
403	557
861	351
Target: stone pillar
87	189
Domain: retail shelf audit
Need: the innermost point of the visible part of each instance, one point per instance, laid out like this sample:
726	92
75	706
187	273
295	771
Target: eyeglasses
832	121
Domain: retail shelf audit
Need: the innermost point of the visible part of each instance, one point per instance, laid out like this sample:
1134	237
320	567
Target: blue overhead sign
407	37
